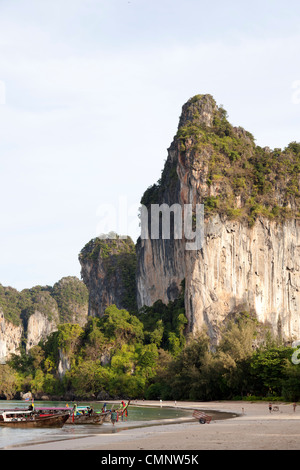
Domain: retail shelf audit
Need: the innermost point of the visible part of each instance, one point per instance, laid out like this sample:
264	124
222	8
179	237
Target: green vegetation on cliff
148	353
116	257
239	179
165	324
119	356
61	301
18	306
106	245
246	180
70	294
114	355
168	182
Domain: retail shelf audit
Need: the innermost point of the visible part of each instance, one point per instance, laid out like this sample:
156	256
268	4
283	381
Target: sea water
137	416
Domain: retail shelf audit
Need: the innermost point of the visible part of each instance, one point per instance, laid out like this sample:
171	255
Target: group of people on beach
271	408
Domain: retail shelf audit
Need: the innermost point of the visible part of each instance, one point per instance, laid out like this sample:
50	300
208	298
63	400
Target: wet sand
253	428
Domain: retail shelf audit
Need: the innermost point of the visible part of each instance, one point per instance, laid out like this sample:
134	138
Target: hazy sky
90	96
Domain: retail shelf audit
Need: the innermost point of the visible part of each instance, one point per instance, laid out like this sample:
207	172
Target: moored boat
85	419
121	412
77	414
85	415
32	419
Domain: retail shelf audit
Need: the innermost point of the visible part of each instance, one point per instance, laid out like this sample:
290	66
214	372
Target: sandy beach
254	428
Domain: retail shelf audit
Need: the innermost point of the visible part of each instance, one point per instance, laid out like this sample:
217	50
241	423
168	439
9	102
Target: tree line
150	356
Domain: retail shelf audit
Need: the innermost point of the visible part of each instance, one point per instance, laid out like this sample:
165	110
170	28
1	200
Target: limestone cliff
29	316
108	267
251	245
10	337
39	327
249	259
71	296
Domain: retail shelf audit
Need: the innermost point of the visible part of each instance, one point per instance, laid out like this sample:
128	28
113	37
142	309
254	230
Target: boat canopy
53	408
15	415
11	412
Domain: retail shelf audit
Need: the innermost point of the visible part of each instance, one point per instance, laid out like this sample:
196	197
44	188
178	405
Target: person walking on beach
113	417
294	406
270	407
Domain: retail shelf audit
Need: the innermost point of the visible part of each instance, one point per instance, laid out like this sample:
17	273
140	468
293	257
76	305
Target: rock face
64	363
38	328
108	267
250	257
10	338
71	296
29	316
239	268
250	254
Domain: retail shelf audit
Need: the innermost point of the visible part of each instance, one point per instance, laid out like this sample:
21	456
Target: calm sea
10	437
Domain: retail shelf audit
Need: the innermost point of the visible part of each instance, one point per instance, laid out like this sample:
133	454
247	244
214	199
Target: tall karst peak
249	259
198	110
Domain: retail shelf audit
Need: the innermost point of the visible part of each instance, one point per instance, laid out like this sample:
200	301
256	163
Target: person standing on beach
294	406
113	417
270	407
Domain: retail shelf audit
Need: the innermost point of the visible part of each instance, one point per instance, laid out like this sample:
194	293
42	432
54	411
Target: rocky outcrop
39	328
64	363
249	258
254	269
108	267
239	268
30	316
10	338
71	296
249	254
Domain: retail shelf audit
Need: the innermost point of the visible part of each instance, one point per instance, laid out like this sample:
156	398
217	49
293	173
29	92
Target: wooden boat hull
94	419
53	421
107	418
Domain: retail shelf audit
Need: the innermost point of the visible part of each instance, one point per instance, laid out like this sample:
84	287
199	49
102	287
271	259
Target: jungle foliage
58	300
151	356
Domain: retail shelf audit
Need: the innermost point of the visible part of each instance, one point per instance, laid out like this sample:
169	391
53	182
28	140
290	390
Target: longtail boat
85	419
77	415
122	412
32	419
53	409
85	415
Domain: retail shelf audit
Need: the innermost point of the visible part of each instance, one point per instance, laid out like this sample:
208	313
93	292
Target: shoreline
253	428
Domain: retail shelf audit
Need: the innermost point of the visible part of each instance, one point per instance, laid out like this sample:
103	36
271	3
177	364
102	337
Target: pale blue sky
93	93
